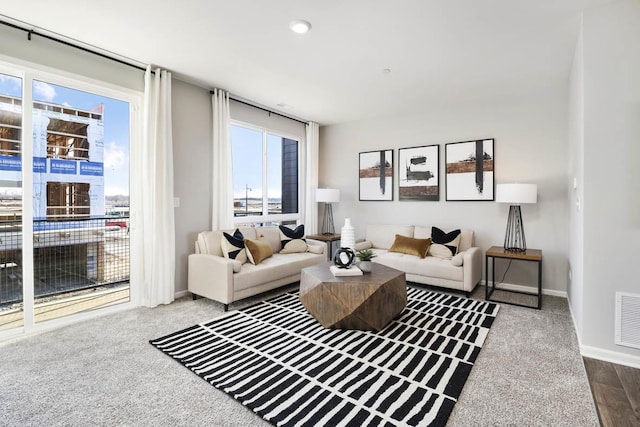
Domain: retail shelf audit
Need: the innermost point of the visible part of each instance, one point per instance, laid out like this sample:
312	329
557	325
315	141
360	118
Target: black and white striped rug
276	359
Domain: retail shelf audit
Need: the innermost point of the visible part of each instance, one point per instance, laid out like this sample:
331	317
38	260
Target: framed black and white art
469	170
418	173
376	175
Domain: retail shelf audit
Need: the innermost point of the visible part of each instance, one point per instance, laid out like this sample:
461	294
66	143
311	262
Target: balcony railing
69	256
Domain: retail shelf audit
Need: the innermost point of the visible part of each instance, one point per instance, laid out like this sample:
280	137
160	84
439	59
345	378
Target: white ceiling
440	52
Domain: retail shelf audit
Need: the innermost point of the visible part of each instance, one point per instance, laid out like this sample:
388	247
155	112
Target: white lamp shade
327	195
516	194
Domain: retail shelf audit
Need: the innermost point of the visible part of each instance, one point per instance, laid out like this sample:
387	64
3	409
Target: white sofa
213	276
429	270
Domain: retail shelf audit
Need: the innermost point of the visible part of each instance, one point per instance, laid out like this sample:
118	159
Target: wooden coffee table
368	302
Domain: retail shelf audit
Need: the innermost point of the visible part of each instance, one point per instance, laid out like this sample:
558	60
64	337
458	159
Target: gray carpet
104	372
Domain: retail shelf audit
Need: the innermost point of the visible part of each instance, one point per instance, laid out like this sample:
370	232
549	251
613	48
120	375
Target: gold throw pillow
410	246
257	250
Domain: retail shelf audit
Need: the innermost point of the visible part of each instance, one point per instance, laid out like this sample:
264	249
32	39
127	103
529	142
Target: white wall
14	43
611	172
192	159
530	146
575	290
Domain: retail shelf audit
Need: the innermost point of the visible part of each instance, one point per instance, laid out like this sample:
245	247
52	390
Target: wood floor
616	391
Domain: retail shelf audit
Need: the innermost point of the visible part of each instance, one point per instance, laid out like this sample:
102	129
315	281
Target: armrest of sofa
365	244
317	243
211	276
472	268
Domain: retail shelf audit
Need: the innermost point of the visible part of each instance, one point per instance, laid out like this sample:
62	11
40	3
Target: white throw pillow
458	260
294	246
314	249
237	265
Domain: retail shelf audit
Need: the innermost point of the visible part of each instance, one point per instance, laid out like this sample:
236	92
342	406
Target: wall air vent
628	319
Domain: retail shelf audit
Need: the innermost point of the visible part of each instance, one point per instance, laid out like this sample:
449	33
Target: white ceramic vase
365	266
348	235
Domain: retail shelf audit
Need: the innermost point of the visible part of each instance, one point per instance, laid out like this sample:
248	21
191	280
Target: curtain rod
31	32
264	109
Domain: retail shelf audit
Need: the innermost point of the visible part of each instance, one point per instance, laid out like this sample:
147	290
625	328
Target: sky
246	151
116	125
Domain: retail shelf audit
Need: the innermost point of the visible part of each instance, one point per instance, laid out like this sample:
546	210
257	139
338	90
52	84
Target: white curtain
156	278
222	209
311	179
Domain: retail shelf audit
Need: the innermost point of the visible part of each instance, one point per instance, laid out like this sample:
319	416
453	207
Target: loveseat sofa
462	272
226	280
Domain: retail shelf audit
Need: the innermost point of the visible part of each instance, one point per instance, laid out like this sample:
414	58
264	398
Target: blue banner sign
39	165
91	168
10	163
63	166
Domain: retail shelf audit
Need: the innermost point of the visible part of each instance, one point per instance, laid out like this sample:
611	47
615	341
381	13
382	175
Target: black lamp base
327	221
514	240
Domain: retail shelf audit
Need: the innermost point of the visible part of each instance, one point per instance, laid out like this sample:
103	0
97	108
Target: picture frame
419	173
375	175
467	177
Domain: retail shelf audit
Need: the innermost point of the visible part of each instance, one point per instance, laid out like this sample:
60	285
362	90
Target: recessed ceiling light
386	70
283	105
299	26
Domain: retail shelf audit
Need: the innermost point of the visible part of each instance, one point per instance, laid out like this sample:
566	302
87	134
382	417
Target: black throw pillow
233	246
444	245
287	234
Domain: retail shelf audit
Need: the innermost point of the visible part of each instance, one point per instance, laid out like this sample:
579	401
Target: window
67	140
68	200
265	176
10	125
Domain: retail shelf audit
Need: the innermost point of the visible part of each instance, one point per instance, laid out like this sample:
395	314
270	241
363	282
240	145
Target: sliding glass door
11	284
64	250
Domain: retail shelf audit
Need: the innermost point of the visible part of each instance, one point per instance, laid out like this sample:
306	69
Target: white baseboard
610	356
602	354
181	294
522	288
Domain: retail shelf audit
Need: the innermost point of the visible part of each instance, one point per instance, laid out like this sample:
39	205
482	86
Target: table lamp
515	195
327	196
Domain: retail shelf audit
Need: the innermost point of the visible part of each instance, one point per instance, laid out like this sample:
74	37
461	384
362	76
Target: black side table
533	255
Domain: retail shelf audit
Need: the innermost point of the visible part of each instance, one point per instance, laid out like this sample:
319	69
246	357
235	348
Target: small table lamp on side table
515	195
327	196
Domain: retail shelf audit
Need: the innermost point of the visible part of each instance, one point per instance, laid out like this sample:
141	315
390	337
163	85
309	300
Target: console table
531	255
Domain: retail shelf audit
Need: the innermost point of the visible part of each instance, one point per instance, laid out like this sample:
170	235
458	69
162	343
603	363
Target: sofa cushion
271	235
427	267
233	246
276	267
382	236
444	245
257	250
410	246
288	235
209	243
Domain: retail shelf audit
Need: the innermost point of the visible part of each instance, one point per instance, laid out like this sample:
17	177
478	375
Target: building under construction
68	203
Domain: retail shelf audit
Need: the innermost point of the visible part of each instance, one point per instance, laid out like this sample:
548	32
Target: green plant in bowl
365	255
